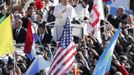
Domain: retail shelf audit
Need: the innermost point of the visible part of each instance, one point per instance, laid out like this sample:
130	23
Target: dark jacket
25	22
46	27
111	19
46	39
20	38
119	20
132	5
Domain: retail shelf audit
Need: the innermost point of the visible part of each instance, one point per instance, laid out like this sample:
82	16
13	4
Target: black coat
119	20
20	38
25	22
46	27
132	5
111	19
46	39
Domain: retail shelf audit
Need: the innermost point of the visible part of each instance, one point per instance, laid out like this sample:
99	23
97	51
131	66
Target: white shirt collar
18	30
42	35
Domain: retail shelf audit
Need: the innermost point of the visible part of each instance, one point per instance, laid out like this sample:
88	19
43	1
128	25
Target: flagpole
14	56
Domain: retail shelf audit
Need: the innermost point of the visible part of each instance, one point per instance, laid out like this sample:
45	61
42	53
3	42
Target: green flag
2	19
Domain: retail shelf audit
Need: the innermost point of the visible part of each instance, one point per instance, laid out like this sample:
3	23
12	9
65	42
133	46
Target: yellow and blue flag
104	62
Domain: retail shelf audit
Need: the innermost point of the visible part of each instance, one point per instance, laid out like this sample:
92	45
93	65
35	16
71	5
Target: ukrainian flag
104	62
6	37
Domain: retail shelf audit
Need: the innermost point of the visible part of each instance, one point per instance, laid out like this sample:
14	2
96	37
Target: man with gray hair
121	16
19	33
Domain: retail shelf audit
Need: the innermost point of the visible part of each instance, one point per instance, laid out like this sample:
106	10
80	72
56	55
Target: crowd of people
88	47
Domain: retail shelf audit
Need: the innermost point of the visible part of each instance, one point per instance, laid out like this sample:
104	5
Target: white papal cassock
61	18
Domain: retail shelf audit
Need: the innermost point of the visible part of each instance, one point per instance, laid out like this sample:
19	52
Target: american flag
65	55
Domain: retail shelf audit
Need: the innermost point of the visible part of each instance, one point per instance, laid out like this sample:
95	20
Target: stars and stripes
64	57
66	37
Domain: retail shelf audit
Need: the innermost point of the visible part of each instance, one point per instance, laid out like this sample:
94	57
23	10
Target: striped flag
104	62
65	55
97	13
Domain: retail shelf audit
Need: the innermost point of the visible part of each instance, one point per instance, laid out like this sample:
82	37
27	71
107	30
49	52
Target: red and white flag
65	56
97	13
